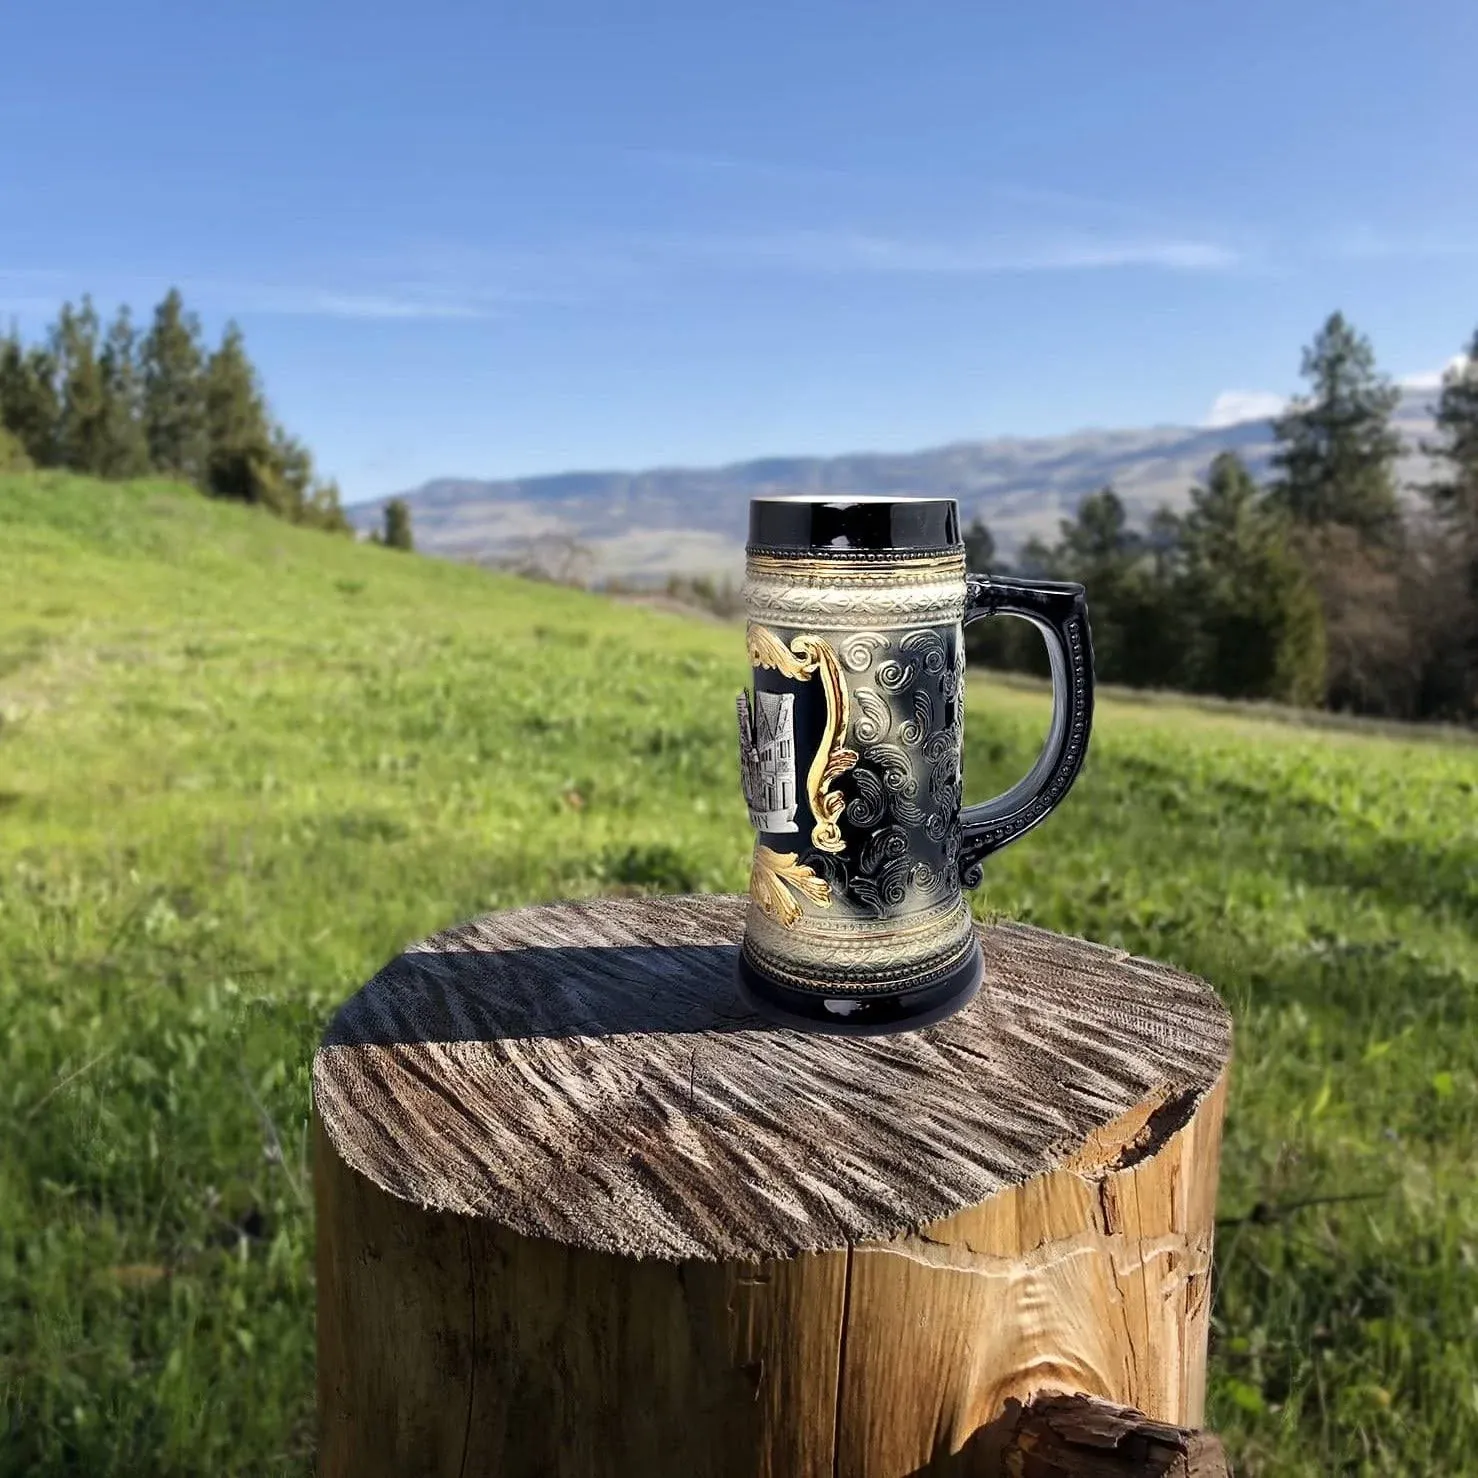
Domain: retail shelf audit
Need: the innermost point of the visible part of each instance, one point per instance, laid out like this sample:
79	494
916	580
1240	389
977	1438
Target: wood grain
580	1215
1079	1437
585	1074
1096	1283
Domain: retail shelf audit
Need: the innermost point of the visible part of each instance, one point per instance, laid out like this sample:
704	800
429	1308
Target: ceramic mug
850	751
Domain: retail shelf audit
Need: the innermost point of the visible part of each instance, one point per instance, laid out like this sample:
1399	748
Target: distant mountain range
644	526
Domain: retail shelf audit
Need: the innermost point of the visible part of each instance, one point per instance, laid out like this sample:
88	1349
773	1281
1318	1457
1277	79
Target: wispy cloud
326	303
1362	243
460	284
950	186
691	161
824	251
393	301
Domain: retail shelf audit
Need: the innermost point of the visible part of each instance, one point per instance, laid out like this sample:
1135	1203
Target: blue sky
497	239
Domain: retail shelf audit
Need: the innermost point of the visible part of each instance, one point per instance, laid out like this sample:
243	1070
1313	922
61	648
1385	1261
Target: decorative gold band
892	570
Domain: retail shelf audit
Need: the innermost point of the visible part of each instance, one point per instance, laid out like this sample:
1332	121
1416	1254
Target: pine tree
1454	498
83	427
1000	642
1163	543
239	460
322	509
305	498
125	448
30	408
115	405
1249	611
1135	639
13	456
172	363
980	548
1336	448
398	525
1099	539
294	465
1451	678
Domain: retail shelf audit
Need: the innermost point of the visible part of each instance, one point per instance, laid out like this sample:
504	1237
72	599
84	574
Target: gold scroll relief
772	877
807	655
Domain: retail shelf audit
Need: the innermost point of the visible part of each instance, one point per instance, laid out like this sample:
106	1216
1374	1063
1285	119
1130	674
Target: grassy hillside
241	764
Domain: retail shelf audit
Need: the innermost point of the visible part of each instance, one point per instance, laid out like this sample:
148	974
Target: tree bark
580	1214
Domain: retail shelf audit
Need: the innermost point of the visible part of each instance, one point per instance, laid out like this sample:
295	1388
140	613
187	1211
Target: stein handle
1059	610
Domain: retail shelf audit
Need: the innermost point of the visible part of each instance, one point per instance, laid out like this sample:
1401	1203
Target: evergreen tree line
396	533
117	403
1321	587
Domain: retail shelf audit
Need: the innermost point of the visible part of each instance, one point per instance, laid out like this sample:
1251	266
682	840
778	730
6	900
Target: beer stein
850	749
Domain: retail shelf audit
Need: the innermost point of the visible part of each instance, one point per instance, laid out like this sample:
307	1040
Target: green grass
241	764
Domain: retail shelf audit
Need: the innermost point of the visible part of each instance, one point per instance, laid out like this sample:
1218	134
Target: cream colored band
837	593
837	949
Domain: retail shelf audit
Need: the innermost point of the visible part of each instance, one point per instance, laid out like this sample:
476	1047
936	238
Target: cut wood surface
580	1213
586	1074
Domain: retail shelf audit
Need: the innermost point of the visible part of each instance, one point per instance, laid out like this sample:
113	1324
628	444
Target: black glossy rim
839	523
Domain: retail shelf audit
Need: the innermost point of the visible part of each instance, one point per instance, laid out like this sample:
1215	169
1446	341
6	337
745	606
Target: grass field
242	764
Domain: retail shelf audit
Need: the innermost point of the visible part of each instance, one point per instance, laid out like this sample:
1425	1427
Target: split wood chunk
581	1214
1081	1437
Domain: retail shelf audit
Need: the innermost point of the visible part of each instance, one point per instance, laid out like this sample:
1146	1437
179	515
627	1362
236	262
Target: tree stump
580	1214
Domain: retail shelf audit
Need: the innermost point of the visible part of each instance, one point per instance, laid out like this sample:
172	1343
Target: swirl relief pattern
903	794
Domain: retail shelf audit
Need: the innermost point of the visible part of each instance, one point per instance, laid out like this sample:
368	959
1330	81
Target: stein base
862	1015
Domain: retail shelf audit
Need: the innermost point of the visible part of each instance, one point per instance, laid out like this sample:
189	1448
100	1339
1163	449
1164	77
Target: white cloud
1426	380
1233	406
1431	379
